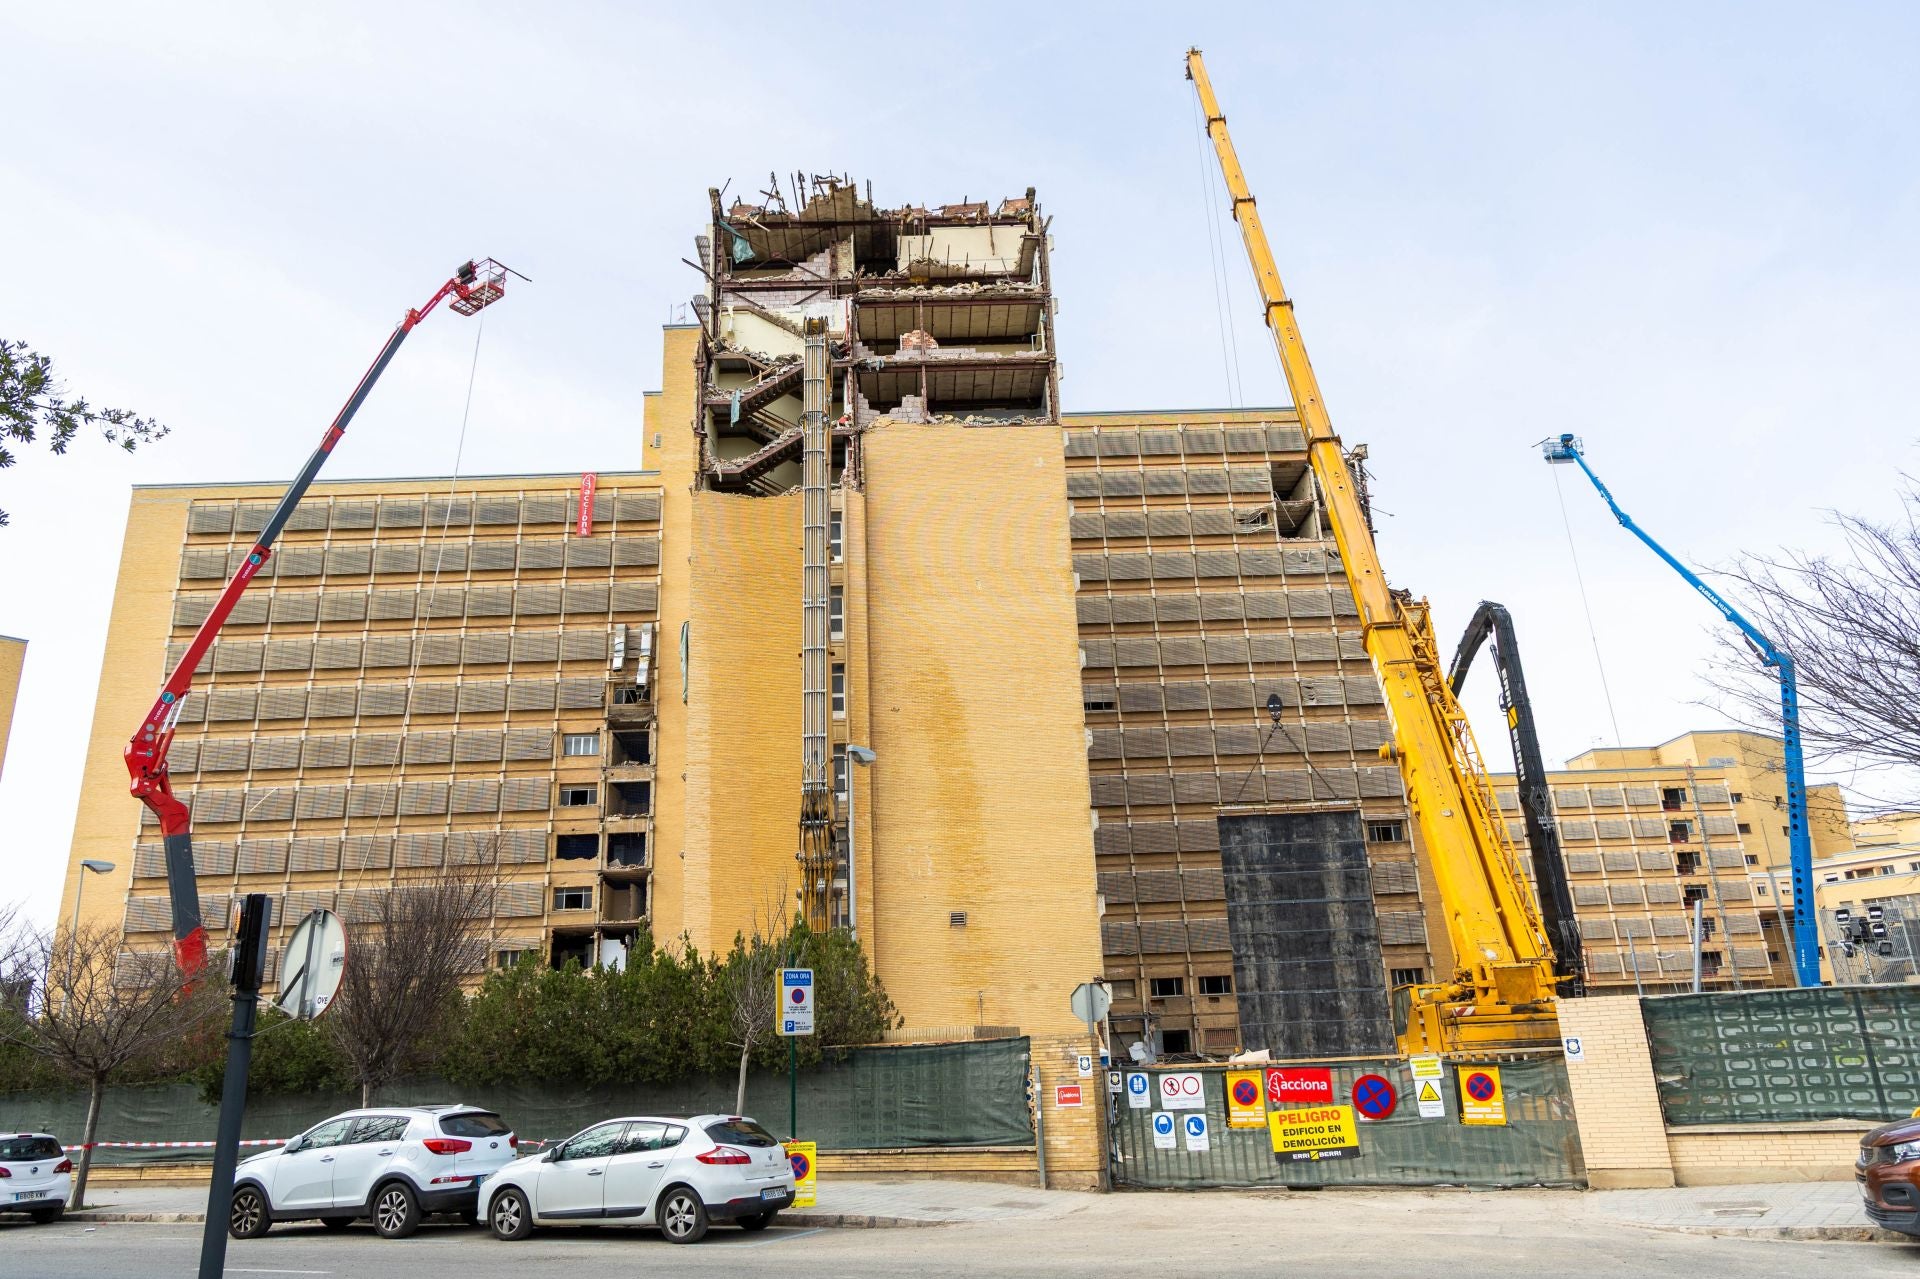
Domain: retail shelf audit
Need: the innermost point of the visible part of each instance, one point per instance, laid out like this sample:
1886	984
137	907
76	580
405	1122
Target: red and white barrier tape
168	1145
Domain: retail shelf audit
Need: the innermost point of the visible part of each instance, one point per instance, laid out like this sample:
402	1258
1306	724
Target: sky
1684	232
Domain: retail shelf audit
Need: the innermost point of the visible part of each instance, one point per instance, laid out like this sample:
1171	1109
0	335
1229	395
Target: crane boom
473	286
1502	991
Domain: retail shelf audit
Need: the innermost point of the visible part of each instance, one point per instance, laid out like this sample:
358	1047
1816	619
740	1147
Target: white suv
677	1174
36	1177
394	1164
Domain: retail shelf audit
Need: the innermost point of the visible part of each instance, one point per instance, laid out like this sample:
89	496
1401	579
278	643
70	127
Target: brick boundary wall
1626	1139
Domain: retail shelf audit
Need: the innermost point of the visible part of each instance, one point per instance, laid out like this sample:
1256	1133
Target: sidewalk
1825	1210
841	1203
1810	1210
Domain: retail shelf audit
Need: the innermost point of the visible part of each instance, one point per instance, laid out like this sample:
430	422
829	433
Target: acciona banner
1299	1085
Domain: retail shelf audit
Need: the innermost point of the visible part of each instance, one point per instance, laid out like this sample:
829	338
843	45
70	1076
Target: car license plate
30	1194
773	1192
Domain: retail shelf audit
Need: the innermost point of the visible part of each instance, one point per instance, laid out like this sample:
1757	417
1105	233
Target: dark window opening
1709	961
1736	797
1679	832
627	849
574	949
1216	984
629	799
579	796
571	848
1103	700
508	958
1407	977
628	695
1745	828
1385	832
573	898
1673	798
1688	863
1176	1043
1167	987
633	747
1752	860
1692	893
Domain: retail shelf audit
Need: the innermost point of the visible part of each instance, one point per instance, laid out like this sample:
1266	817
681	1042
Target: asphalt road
1220	1236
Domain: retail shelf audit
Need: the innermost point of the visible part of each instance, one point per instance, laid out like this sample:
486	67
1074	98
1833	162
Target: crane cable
1216	259
1593	635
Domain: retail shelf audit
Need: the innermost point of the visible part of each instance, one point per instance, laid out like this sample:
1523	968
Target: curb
815	1220
1811	1234
853	1221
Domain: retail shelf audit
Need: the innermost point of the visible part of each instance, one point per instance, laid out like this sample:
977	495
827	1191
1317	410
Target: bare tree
748	980
93	1013
405	960
1851	621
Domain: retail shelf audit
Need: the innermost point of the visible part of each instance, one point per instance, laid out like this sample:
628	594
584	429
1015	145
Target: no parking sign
800	1154
1245	1106
1482	1099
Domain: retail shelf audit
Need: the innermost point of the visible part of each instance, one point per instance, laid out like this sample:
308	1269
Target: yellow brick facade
13	657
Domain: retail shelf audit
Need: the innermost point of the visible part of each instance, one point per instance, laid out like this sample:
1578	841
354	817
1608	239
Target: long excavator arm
1502	991
1491	621
474	285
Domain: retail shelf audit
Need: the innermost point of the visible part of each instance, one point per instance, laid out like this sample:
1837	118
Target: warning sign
1432	1104
1426	1067
1196	1130
800	1154
1482	1100
1299	1086
1244	1106
1313	1132
1182	1090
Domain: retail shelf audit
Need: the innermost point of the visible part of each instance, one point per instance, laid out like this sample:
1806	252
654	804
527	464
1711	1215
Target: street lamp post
864	757
98	868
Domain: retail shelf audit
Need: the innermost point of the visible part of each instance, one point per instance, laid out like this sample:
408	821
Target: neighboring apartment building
1643	840
13	657
1081	649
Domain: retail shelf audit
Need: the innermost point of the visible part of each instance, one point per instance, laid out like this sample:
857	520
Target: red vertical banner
587	484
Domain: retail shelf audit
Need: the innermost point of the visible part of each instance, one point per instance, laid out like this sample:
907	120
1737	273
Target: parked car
396	1165
1888	1174
36	1177
675	1174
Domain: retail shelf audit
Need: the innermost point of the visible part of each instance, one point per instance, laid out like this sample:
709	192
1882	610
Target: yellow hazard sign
1246	1100
801	1155
1312	1132
1482	1100
1432	1104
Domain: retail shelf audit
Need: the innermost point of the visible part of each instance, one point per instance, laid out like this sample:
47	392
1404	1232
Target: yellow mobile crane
1501	994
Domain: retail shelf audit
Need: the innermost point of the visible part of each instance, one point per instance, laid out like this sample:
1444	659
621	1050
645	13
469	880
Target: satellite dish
311	967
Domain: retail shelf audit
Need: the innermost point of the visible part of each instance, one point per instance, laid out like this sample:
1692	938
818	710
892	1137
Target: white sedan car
676	1174
36	1177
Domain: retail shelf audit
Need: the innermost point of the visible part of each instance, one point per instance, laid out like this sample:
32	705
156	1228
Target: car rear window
741	1132
29	1148
473	1123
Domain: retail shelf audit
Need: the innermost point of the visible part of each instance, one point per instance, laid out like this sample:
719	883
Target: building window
573	898
1407	977
1166	987
1123	989
1709	960
1095	700
840	773
1672	798
837	613
1736	797
1688	863
580	744
1745	828
1679	832
1176	1043
579	796
508	958
836	537
1216	984
1752	860
1385	832
574	848
1692	893
839	690
1761	889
